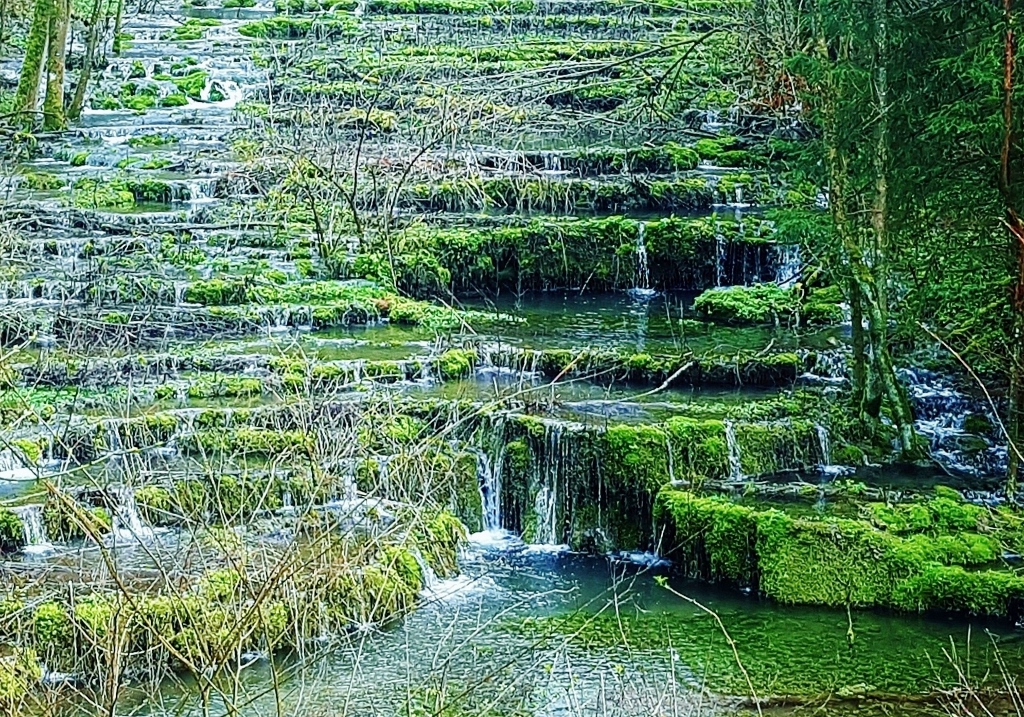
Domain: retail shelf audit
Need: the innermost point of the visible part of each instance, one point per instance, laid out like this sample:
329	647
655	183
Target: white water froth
735	464
128	524
642	288
645	559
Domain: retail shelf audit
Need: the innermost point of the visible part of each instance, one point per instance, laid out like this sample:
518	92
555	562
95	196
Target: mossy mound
770	303
932	561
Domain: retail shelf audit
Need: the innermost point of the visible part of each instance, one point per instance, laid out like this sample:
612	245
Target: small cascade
720	256
823	444
128	523
552	477
552	164
788	265
488	474
735	464
546	513
179	293
941	415
642	284
13	468
202	189
114	446
31	517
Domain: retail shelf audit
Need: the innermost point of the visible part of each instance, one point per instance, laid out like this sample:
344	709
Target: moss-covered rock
456	363
840	562
12	532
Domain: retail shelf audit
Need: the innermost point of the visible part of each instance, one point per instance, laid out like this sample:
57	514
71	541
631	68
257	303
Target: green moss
92	193
443	535
456	363
175	99
699	448
12	535
635	457
192	84
951	588
711	537
761	303
156	505
64	524
20	671
839	562
192	29
40	181
53	632
31	449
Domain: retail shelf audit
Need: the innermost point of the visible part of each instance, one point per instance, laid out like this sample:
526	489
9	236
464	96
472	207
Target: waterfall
720	256
13	468
31	517
642	282
545	508
788	258
201	190
823	442
552	162
488	475
735	465
128	524
179	292
550	473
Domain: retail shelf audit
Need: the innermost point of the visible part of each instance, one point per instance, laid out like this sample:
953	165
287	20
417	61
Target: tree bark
88	62
27	96
1008	165
53	105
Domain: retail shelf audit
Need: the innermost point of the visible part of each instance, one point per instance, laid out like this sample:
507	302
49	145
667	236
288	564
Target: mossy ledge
932	555
602	481
741	369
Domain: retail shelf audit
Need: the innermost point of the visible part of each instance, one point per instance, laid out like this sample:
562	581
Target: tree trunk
27	96
117	28
864	283
1009	165
88	62
53	105
880	204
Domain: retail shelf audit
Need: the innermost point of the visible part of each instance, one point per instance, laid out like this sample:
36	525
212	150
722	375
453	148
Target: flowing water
533	631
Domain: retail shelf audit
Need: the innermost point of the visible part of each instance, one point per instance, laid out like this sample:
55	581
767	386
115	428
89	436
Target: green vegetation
551	253
915	562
